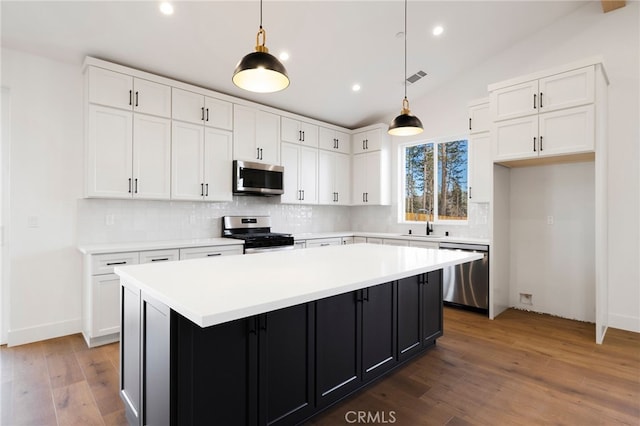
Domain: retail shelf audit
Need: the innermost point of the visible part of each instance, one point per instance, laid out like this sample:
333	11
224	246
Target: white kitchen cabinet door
359	181
157	256
326	177
359	240
110	88
151	157
480	168
210	251
342	179
295	131
256	135
423	244
515	101
398	243
151	98
218	113
187	106
109	152
324	242
290	153
347	240
333	140
515	139
308	175
566	90
479	118
106	305
268	137
187	165
218	149
370	140
567	131
373	192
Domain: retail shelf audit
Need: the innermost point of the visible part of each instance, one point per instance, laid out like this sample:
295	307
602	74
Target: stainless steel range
256	233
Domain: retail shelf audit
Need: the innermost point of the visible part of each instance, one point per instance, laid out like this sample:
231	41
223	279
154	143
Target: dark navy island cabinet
277	368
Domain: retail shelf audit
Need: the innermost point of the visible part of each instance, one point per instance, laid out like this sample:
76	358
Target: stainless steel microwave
251	178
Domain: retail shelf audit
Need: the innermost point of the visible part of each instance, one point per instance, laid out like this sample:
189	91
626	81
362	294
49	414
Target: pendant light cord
405	48
261	15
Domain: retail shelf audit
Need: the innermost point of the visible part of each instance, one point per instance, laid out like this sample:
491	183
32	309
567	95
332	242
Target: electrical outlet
526	299
109	219
33	222
549	220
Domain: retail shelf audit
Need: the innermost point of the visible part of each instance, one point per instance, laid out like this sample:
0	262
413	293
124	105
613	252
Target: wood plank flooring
522	368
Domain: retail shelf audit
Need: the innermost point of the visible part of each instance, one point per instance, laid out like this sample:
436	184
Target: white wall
555	263
46	179
585	33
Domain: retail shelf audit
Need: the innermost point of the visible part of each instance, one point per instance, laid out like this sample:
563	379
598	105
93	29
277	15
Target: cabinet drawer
424	244
156	256
400	243
210	251
104	263
322	242
371	240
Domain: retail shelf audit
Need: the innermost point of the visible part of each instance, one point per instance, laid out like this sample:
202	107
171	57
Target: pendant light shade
405	124
260	71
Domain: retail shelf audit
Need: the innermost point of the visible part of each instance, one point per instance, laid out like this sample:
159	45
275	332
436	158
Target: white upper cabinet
370	181
295	131
151	157
334	178
199	109
559	121
557	91
334	140
480	168
201	163
300	174
256	135
123	91
479	117
370	140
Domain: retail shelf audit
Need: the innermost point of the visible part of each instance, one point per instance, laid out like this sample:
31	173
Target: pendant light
260	71
405	124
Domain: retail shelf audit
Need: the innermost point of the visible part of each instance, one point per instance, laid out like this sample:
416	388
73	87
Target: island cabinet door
432	308
214	380
378	330
338	347
286	391
409	321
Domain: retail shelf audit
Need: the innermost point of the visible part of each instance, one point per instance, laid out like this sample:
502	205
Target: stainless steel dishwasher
467	285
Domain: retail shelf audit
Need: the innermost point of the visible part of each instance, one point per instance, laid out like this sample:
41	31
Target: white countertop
391	236
156	245
216	290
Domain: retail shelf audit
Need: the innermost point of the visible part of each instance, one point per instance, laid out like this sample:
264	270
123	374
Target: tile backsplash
113	221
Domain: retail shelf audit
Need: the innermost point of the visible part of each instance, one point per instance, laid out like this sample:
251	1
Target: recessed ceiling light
356	87
283	56
438	30
166	8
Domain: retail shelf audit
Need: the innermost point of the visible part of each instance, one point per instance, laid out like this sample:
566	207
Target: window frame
402	175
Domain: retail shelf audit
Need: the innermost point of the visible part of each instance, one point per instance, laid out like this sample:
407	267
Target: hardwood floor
522	368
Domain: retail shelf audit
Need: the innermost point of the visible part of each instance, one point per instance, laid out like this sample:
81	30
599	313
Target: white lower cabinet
212	251
299	245
359	240
101	287
324	242
399	243
347	240
371	240
424	244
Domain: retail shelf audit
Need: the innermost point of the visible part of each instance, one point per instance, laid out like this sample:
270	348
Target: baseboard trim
43	332
624	322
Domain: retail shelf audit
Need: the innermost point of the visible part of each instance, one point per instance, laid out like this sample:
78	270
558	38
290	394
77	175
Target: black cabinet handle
534	101
470	197
207	114
363	197
534	144
135	186
202	113
202	189
469	123
303	136
263	322
366	294
541	137
130	97
299	135
261	153
129	185
366	197
117	263
162	259
136	98
302	194
213	254
363	144
366	143
540	102
206	193
257	153
337	143
252	325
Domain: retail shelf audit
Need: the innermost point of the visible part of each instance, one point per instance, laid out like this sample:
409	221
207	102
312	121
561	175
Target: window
434	182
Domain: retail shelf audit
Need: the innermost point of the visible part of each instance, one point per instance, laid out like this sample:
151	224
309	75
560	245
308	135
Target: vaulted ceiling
332	44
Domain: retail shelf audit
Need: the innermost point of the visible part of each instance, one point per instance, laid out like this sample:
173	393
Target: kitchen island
273	338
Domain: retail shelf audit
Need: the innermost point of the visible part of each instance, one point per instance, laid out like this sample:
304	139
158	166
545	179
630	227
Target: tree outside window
435	181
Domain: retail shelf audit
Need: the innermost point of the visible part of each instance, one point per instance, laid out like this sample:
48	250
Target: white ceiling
332	44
